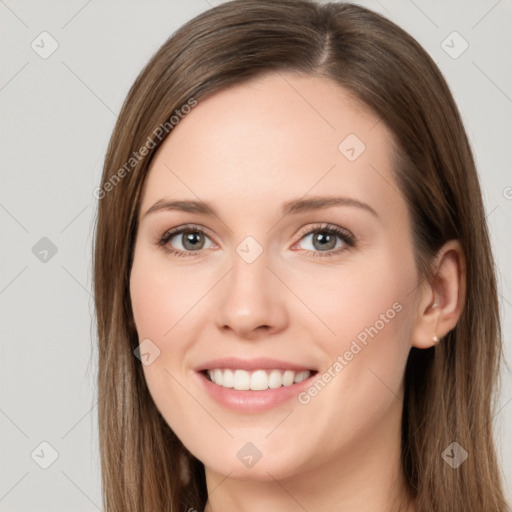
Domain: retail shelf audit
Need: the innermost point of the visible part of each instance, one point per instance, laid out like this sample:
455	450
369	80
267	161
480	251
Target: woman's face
304	270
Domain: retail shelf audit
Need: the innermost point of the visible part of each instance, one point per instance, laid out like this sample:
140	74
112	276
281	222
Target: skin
246	150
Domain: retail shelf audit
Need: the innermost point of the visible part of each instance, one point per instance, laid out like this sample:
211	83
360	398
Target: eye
327	240
185	240
323	240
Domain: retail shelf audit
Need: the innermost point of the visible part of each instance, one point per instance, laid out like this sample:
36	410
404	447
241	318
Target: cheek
160	302
358	298
158	306
161	296
152	304
368	309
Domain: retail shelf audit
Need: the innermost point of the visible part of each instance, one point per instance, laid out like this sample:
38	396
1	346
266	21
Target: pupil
192	238
325	240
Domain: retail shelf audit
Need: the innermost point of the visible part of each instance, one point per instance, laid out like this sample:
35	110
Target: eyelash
347	238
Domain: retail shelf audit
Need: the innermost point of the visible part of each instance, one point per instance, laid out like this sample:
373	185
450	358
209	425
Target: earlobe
426	333
435	338
441	299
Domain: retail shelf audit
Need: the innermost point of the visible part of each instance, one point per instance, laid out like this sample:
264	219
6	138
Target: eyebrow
293	206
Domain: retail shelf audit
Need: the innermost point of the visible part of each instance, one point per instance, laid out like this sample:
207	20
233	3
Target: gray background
57	115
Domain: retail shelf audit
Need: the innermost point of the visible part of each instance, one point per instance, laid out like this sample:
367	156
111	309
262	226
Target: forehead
278	136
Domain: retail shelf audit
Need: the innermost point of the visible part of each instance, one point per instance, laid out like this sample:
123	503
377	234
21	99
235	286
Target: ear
441	297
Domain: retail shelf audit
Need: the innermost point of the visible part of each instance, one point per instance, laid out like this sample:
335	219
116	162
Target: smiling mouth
257	380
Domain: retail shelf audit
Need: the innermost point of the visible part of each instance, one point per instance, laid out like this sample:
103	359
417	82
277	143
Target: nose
252	301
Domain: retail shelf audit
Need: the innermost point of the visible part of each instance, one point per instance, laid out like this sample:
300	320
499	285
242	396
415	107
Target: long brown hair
449	389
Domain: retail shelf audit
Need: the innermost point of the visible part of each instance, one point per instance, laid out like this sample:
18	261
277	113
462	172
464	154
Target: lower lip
252	401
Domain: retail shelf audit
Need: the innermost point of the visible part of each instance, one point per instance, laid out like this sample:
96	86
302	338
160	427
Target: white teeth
228	379
242	380
275	379
218	376
288	378
300	376
257	380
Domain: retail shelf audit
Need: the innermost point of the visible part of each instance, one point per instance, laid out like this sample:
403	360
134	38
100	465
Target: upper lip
260	363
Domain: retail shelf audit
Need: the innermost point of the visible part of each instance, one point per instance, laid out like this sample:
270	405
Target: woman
295	291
